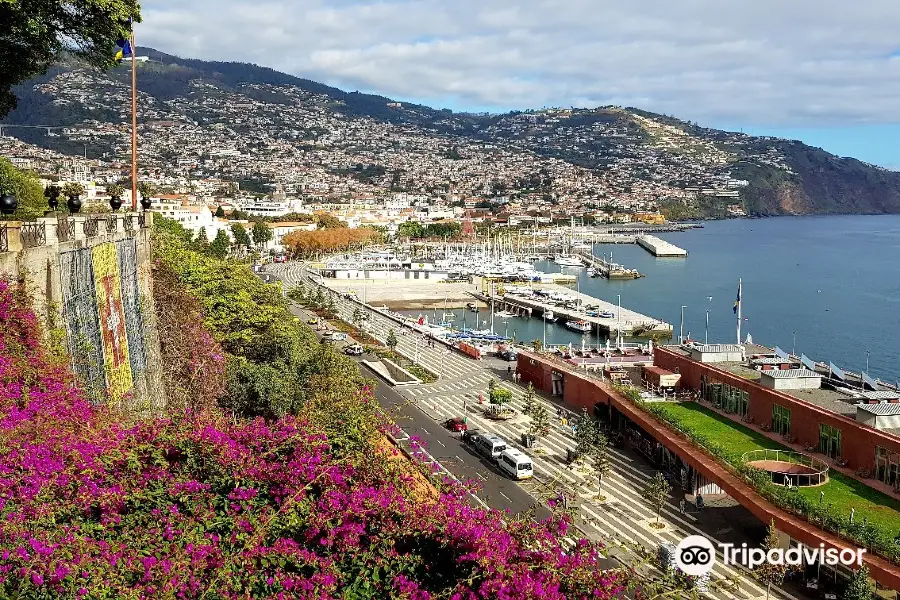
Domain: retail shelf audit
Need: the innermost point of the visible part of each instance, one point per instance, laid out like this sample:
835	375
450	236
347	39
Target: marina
601	267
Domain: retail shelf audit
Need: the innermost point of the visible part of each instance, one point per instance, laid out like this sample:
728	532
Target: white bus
515	463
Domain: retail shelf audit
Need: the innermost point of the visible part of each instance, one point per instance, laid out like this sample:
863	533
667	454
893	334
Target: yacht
504	314
549	316
582	326
567	260
605	314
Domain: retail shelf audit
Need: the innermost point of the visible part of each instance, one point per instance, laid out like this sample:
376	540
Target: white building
281	229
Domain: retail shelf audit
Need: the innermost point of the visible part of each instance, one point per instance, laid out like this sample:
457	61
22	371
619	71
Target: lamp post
681	329
867	362
794	344
8	204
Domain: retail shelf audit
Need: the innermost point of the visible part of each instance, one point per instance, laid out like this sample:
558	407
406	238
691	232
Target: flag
737	301
124	50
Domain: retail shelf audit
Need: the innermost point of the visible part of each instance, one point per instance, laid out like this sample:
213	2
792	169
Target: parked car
280	259
353	350
456	424
508	354
313	321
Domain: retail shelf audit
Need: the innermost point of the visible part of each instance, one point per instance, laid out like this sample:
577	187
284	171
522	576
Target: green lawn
843	492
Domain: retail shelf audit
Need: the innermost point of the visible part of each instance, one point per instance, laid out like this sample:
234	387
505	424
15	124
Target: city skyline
816	72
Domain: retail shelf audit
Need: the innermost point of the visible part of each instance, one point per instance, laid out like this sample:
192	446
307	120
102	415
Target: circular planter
115	203
52	195
788	468
146	203
8	204
73	204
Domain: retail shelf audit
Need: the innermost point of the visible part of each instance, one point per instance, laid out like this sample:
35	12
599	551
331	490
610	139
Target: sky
826	72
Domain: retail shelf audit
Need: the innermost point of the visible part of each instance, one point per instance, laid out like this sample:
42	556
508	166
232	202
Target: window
829	440
887	466
525	467
721	395
781	420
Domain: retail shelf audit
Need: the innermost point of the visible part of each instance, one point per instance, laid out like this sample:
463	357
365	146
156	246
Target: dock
607	269
658	247
626	322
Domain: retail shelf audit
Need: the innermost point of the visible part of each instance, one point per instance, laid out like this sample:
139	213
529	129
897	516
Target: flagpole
133	125
740	302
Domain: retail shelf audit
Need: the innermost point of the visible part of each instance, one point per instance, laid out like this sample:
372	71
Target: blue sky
823	71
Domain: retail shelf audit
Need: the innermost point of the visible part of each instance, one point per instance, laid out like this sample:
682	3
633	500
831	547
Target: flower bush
202	506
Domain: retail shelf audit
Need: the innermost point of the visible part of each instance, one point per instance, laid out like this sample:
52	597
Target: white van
516	464
490	445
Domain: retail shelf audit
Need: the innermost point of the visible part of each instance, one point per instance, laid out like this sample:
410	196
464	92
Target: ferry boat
549	316
580	325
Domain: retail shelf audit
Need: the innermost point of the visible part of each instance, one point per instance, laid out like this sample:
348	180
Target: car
508	354
353	350
280	259
456	424
313	321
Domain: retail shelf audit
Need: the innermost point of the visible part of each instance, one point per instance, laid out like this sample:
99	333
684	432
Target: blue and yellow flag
124	50
737	301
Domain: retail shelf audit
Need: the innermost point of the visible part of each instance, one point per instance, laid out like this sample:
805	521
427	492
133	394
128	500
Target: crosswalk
623	514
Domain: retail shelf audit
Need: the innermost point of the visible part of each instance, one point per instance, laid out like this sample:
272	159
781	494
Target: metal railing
112	224
4	238
65	228
142	220
90	226
817	473
128	223
33	234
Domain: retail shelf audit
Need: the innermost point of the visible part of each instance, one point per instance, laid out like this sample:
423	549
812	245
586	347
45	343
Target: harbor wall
579	390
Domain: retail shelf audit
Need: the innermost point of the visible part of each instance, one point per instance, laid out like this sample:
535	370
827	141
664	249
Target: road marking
481	476
441	443
507	497
426	431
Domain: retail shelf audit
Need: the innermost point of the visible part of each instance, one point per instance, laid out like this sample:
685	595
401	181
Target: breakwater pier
608	269
660	247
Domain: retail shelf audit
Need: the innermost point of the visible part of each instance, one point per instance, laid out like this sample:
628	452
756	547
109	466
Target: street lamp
681	329
618	319
867	362
8	204
794	344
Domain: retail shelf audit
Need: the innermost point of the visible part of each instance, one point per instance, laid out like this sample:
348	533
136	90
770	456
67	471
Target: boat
582	326
549	316
605	314
472	307
504	314
592	272
567	260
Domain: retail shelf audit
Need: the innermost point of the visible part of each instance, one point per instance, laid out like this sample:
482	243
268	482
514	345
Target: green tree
319	298
260	233
498	395
298	294
537	345
24	186
201	241
37	33
585	435
770	574
529	399
356	318
329	221
600	460
391	341
410	229
656	492
220	212
241	237
859	587
219	246
331	307
540	421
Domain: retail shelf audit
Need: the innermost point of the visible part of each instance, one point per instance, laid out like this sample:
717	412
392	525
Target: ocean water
825	286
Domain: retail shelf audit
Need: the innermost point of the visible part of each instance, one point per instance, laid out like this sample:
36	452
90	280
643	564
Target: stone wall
90	276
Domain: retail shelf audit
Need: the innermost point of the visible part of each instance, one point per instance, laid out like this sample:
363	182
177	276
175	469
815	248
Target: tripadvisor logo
696	555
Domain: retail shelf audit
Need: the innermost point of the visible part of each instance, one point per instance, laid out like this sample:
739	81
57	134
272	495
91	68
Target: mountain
226	120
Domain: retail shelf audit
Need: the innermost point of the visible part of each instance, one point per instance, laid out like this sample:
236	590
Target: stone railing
58	228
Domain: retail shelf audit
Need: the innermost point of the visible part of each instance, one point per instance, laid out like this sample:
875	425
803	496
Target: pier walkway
626	321
610	270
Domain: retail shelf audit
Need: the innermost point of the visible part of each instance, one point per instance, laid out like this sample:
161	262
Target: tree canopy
37	32
25	187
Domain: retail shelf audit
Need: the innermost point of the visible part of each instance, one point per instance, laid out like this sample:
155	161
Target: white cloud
763	63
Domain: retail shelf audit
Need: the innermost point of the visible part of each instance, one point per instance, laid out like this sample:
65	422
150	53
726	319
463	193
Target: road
622	514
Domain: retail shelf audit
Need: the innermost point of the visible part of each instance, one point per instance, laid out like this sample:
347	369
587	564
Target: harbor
601	267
